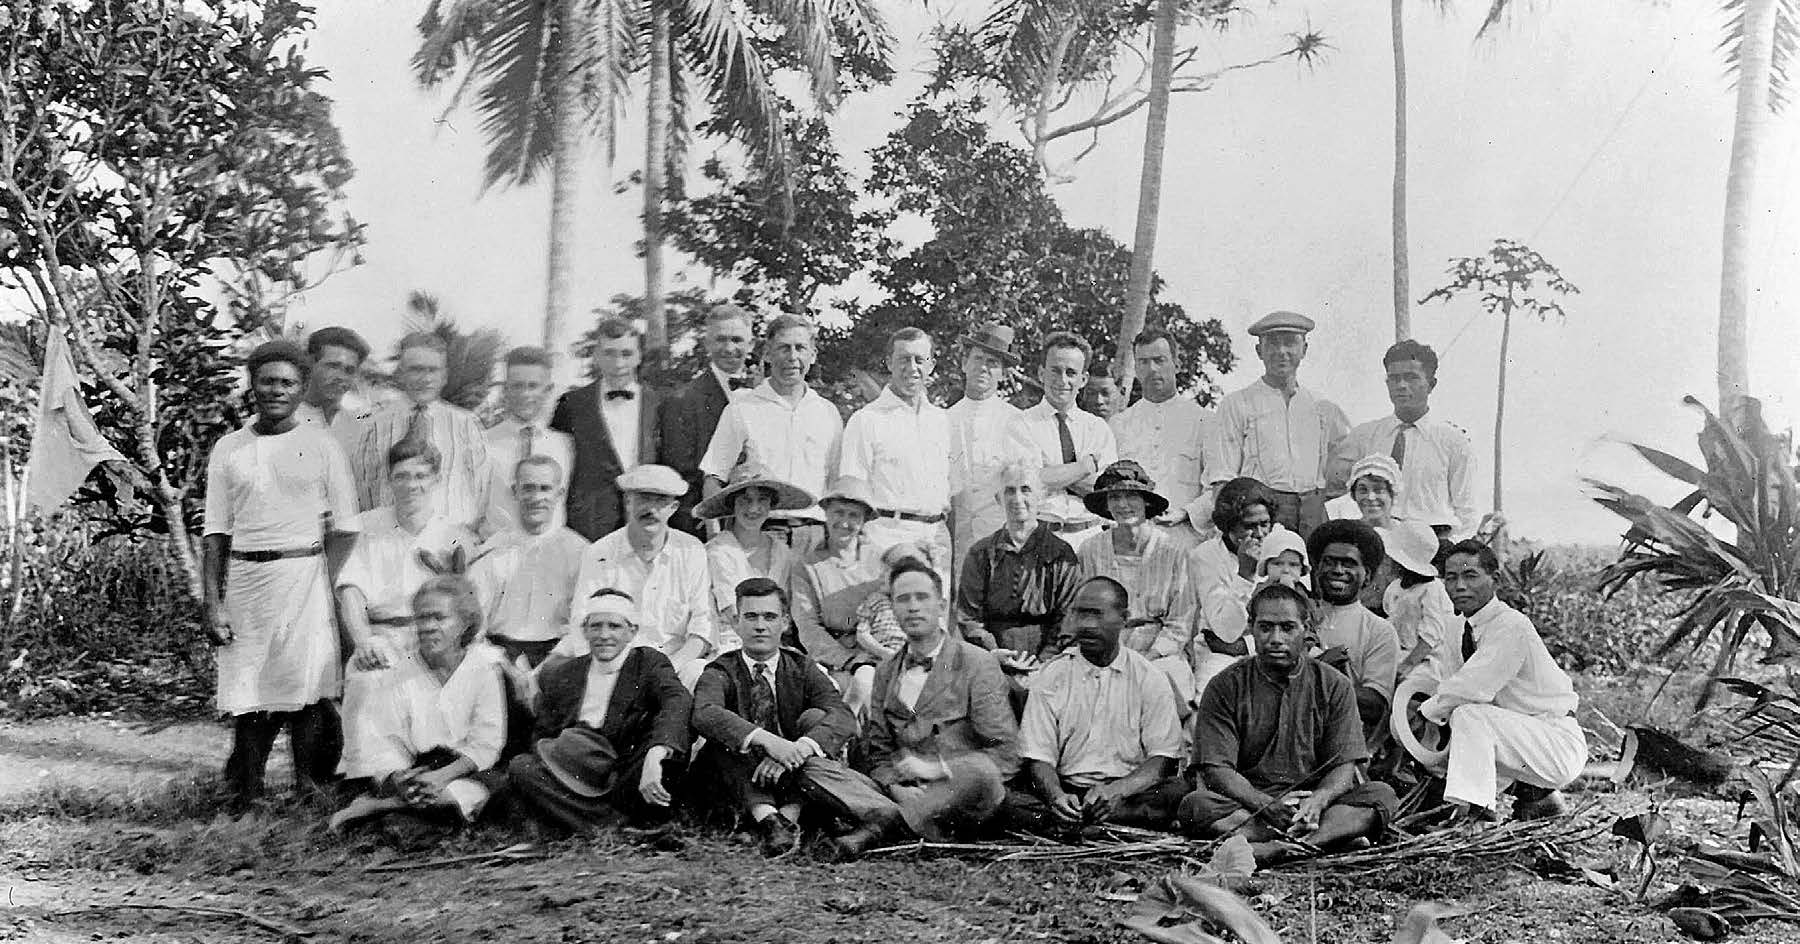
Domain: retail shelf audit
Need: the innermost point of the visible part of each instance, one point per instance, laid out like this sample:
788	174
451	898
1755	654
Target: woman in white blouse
743	549
421	737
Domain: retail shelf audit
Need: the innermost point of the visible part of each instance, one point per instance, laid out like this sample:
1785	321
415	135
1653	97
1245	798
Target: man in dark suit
774	728
689	418
941	739
614	422
612	729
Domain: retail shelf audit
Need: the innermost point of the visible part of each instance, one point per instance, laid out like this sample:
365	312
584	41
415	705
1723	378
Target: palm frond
514	102
1786	40
717	47
807	33
451	33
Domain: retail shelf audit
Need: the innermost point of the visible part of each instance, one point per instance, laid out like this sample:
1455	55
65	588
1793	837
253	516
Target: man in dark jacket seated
612	728
775	728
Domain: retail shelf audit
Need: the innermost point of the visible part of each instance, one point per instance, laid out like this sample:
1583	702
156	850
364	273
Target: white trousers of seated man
1490	747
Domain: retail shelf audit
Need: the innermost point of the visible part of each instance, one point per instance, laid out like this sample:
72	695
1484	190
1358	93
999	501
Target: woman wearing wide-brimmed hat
1154	571
744	550
831	581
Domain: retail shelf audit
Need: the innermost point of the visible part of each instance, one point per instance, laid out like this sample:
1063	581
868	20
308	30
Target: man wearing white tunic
979	424
524	430
1073	444
1162	432
663	570
452	431
526	574
898	447
280	513
1276	431
1509	706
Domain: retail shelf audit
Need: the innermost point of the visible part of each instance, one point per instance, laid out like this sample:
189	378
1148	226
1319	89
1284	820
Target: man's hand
218	630
1275	813
906	793
1066	807
781	750
650	782
1018	663
915	769
1308	813
371	656
768	772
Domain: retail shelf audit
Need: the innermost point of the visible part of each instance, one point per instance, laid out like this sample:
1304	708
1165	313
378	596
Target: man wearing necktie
940	738
692	414
614	423
424	417
1437	461
1073	444
522	431
1509	707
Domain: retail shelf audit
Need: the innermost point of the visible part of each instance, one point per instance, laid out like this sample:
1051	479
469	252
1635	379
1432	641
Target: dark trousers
315	733
1299	512
535	651
1153	808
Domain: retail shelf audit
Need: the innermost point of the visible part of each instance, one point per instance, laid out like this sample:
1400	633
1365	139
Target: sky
1598	132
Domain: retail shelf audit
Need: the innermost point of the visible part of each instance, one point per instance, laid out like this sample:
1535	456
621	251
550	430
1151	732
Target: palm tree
553	72
1402	283
1506	279
1143	241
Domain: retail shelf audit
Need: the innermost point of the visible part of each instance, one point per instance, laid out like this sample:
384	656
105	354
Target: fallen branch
284	930
523	852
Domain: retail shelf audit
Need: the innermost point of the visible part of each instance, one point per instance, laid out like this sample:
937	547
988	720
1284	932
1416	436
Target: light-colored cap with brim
1379	466
851	491
1125	476
1276	321
744	478
654	479
1412	545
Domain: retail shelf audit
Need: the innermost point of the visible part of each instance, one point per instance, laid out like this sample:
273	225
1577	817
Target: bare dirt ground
104	836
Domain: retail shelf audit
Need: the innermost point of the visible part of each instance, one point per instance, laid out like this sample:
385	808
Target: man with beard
1272	726
337	355
978	443
280	518
1101	737
1356	641
898	447
525	575
1276	431
692	415
664	571
522	432
423	417
1162	433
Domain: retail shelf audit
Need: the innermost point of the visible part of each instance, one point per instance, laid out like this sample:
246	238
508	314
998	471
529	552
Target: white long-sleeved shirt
673	590
505	445
796	442
901	452
1437	480
978	447
1511	669
1035	433
1284	442
1166	439
526	582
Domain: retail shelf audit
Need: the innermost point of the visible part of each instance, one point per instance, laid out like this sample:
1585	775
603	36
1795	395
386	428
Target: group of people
920	621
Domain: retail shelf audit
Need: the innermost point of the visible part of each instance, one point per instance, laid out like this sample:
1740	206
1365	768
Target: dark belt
391	621
908	516
1066	527
263	557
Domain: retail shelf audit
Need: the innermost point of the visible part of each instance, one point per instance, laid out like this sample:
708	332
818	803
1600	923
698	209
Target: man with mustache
1356	641
422	415
1162	432
1276	431
1101	738
1278	745
663	570
898	447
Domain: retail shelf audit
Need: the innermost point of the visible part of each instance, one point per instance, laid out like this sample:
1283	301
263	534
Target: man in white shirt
1509	706
1162	432
663	570
1276	431
454	432
782	425
338	354
898	447
979	423
523	431
1073	444
525	575
1437	460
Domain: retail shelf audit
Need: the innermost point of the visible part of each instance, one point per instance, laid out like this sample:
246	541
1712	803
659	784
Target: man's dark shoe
853	844
1547	805
780	837
662	837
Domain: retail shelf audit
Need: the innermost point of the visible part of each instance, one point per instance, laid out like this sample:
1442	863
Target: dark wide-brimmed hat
994	338
581	759
746	477
1125	476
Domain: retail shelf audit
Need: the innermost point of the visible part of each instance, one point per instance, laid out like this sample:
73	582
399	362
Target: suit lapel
624	694
943	670
790	693
603	442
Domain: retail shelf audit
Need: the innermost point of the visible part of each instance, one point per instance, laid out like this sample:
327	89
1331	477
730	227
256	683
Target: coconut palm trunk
1402	288
1143	246
656	168
1754	71
565	192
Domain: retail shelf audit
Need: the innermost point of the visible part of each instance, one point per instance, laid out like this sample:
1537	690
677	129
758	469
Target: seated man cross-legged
1276	724
1101	737
609	725
774	727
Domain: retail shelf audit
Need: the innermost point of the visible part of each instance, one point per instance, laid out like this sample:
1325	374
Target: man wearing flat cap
662	569
978	425
610	723
1276	431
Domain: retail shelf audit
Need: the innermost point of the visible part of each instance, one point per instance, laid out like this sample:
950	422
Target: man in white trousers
1509	707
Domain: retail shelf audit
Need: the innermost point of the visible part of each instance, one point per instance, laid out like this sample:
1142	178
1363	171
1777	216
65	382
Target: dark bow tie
919	662
739	383
620	394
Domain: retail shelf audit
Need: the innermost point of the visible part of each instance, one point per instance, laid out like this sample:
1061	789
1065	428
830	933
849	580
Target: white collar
772	662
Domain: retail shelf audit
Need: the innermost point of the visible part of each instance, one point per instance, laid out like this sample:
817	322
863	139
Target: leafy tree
687	307
149	151
1506	281
1001	250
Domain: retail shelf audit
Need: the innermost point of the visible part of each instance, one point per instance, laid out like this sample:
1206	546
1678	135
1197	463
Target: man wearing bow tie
614	423
689	418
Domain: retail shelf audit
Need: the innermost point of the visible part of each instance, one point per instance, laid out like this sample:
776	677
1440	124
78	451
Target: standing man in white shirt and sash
978	437
1162	432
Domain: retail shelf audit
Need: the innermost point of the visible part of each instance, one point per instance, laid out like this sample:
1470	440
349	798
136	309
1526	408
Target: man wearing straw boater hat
978	426
1276	431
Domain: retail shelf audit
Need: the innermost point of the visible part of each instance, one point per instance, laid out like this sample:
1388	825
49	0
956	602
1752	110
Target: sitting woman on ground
421	740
